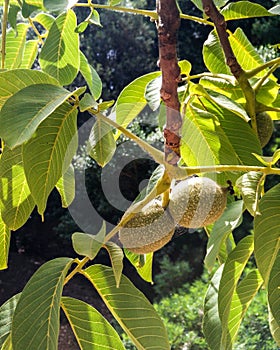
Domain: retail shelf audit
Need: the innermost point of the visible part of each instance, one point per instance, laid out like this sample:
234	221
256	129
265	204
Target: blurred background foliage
125	47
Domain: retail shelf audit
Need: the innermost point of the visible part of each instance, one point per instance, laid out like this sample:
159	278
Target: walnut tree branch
168	23
220	24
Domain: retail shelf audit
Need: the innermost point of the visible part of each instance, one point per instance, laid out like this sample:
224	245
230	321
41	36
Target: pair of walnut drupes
194	202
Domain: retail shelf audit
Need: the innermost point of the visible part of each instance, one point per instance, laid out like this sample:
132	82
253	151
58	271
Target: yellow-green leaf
36	318
88	245
5	235
273	290
212	327
267	231
12	81
15	46
223	227
91	329
6	316
131	309
101	142
241	299
66	187
91	77
50	152
29	54
249	185
244	9
16	202
232	271
60	56
131	100
116	257
26	109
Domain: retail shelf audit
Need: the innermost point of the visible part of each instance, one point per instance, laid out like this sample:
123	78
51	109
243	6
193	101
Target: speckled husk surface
149	230
265	127
197	202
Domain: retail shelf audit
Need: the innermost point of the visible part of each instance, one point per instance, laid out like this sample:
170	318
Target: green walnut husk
149	230
264	127
197	202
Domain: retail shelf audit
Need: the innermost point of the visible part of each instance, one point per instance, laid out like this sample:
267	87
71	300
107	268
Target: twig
4	33
168	23
241	76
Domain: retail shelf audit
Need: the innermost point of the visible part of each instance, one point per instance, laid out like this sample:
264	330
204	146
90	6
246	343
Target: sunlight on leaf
250	185
6	316
36	318
66	187
60	56
131	100
130	307
16	202
232	271
267	231
116	257
91	329
223	227
36	103
212	327
87	244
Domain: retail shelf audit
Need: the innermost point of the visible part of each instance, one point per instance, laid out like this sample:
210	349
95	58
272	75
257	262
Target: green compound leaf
91	77
143	264
131	309
35	103
16	202
267	232
101	142
249	185
274	327
132	101
212	327
6	316
56	6
5	236
232	271
244	9
223	227
12	81
12	16
60	55
8	343
45	19
87	244
91	329
36	318
15	46
66	187
29	54
273	290
116	257
244	51
241	299
50	152
204	141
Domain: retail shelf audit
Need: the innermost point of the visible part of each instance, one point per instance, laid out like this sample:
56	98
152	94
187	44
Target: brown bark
168	24
220	24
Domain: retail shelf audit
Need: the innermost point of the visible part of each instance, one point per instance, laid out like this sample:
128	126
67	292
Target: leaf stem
223	168
78	268
152	14
147	13
4	33
196	19
35	30
251	73
157	155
